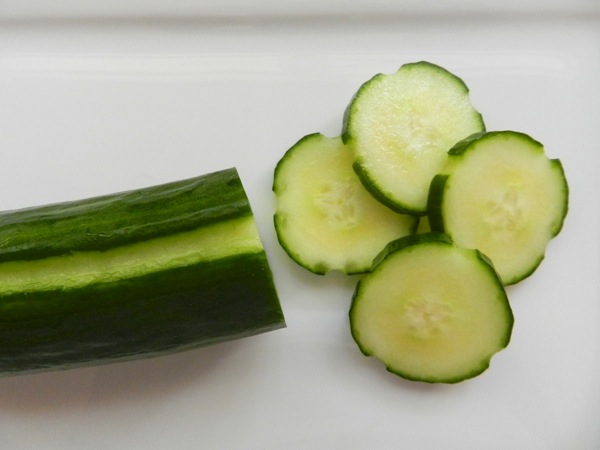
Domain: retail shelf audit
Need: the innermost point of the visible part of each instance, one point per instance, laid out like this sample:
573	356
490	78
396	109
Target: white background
101	98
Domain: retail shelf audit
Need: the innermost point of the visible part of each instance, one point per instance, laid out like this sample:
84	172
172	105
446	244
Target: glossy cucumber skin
155	314
122	218
435	201
152	313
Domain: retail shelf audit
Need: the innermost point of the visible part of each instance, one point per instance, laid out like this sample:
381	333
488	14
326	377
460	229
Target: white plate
101	98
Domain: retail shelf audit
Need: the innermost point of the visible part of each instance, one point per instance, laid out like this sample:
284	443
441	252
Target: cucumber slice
400	127
431	311
502	195
325	220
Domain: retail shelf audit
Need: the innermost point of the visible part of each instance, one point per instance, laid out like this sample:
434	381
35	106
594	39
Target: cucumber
431	311
132	275
400	127
501	194
325	220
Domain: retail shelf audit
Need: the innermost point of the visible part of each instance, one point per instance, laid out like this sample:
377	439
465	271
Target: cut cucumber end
325	220
431	311
501	194
400	127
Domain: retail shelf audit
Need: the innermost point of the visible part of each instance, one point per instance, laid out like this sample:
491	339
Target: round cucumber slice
431	311
325	220
400	127
501	194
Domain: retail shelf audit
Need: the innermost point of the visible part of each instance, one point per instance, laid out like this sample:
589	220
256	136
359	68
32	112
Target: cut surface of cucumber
501	194
325	220
131	275
401	126
431	311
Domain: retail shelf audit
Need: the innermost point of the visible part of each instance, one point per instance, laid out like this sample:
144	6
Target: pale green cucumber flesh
324	219
431	311
501	194
400	127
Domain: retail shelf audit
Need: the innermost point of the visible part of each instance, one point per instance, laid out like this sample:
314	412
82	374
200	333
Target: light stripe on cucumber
501	194
400	127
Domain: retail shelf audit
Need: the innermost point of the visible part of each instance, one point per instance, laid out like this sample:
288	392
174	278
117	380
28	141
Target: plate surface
96	99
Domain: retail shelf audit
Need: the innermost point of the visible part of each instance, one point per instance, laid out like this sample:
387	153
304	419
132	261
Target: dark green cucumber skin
151	315
122	218
368	184
146	315
435	200
409	241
